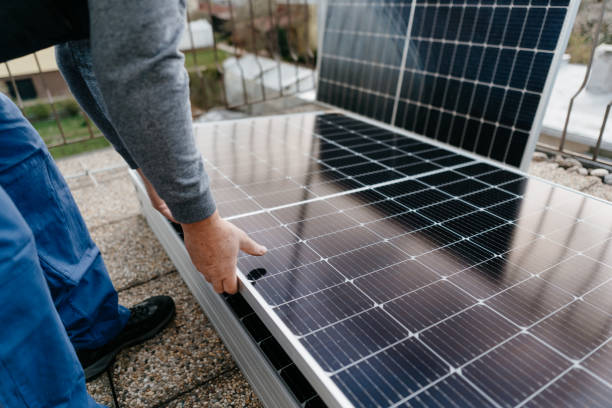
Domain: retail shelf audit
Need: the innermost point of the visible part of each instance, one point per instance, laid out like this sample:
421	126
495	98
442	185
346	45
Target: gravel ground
551	169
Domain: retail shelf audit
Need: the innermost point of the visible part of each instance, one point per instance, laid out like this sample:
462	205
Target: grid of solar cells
475	73
362	54
472	72
270	162
401	297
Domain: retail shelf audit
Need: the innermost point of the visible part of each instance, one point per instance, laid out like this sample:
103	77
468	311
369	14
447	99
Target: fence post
601	132
50	97
586	77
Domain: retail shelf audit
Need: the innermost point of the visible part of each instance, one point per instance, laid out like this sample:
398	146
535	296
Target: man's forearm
146	90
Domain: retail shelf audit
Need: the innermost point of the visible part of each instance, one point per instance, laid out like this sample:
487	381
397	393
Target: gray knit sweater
140	72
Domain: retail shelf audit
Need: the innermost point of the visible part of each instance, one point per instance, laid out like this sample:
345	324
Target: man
121	61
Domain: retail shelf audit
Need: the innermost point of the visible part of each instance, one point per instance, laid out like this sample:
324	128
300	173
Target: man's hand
156	200
213	245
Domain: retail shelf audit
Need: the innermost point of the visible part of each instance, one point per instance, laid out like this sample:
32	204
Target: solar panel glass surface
472	283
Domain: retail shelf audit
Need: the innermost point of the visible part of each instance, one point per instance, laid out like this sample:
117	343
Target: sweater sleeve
145	87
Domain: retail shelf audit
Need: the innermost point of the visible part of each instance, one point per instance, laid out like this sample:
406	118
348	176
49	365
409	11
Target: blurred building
31	82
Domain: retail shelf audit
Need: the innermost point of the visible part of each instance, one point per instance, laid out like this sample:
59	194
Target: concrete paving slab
70	165
101	159
107	202
187	354
79	182
109	175
228	390
132	253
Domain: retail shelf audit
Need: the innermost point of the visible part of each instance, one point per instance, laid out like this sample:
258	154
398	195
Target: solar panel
470	285
473	74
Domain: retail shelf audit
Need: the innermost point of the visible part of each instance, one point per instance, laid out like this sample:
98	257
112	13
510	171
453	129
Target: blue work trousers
55	290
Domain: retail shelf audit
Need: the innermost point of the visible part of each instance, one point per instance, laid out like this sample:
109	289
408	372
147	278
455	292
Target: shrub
206	92
68	108
41	111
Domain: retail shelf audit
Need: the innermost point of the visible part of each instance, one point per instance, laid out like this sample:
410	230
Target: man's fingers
230	285
165	211
251	247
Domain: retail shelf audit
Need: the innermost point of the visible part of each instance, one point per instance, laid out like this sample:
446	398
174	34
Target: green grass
205	58
74	127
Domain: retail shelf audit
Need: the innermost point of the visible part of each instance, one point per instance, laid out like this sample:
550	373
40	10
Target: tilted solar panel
473	74
458	283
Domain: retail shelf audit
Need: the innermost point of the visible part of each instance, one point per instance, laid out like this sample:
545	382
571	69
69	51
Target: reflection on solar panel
468	284
265	163
469	73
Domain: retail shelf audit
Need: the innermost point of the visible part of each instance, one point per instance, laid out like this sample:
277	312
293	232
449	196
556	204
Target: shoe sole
97	368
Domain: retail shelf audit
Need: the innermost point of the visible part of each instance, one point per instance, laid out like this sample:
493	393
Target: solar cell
575	388
409	361
489	278
467	335
600	362
529	301
516	368
601	298
580	236
396	280
447	210
505	238
425	240
579	317
442	286
451	390
361	336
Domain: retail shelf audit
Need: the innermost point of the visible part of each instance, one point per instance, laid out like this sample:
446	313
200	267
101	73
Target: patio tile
70	165
107	202
79	182
102	159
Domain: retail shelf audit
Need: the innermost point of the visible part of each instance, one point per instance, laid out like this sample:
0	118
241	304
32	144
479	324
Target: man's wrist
206	223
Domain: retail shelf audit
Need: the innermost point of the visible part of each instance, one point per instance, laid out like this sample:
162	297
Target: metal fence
256	51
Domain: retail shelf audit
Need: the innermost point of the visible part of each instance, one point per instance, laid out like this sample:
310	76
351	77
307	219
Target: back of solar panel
473	74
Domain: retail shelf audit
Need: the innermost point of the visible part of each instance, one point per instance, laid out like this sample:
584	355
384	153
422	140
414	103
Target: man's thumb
251	247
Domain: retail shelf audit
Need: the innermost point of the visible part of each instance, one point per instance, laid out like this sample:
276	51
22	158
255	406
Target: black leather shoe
146	320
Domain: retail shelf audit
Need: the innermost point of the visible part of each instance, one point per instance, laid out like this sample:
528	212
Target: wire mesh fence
237	53
591	39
